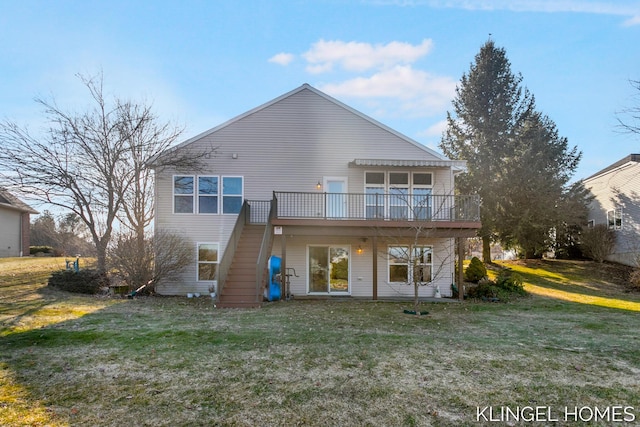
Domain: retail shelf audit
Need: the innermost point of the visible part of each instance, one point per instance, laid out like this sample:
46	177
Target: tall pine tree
488	107
517	163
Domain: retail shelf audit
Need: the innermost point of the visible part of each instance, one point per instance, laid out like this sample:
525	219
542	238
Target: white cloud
635	20
358	56
282	58
628	8
435	130
405	90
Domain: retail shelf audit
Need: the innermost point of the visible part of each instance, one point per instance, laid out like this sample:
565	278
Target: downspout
20	244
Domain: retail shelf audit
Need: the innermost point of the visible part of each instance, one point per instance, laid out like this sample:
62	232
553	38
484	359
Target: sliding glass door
329	269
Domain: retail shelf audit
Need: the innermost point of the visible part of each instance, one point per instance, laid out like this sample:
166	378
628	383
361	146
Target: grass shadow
582	282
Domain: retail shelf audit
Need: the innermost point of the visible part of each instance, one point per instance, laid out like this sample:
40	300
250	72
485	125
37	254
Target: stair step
238	305
240	288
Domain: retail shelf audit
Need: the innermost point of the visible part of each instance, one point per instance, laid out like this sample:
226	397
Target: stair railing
265	250
230	250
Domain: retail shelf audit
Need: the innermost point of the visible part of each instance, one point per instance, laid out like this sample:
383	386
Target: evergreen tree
489	106
517	162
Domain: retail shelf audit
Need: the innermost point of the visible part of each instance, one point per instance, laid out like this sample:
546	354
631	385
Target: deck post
374	263
283	267
461	242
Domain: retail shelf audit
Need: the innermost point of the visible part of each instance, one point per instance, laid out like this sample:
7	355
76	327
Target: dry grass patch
176	361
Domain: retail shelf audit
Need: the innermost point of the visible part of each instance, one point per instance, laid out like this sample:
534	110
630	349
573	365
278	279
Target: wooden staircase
239	290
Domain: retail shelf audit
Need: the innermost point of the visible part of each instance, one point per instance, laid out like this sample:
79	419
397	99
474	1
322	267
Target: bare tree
93	163
424	265
629	118
72	164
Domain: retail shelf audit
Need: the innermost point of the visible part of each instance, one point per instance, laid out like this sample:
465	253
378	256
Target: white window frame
381	201
222	194
328	248
216	195
192	194
396	200
614	219
216	262
409	250
387	188
416	197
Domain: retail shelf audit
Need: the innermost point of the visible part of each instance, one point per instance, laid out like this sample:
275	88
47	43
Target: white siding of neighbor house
289	145
619	188
10	233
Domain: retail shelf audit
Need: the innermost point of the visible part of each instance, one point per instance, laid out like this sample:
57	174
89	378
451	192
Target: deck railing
397	206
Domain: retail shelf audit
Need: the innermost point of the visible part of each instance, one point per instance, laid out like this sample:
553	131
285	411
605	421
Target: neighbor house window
207	261
614	219
410	264
591	223
208	194
232	194
183	194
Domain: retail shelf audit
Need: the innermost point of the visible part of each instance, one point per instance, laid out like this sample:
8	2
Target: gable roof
9	201
308	87
631	158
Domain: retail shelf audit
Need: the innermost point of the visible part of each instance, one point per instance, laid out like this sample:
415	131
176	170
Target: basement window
207	261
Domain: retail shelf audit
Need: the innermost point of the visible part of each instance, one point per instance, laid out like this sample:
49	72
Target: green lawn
80	360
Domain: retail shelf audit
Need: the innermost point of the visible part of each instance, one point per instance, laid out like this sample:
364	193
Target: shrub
86	281
40	249
486	289
634	280
475	271
159	257
597	242
510	282
505	287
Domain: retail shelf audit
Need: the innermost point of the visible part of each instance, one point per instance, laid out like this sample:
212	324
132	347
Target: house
349	206
14	225
616	203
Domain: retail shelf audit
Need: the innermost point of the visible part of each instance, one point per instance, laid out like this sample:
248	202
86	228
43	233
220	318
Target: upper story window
421	191
375	187
400	195
232	194
207	194
614	219
399	203
183	194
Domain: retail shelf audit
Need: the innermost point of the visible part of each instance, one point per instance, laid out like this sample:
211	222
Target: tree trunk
101	255
486	249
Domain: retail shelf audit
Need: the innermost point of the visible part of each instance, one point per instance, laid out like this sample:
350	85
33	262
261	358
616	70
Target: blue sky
203	62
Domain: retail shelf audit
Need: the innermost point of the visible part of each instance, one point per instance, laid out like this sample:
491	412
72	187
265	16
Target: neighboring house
338	196
14	225
617	204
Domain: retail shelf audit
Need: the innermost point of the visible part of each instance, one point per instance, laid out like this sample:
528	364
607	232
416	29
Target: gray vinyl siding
289	145
619	188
